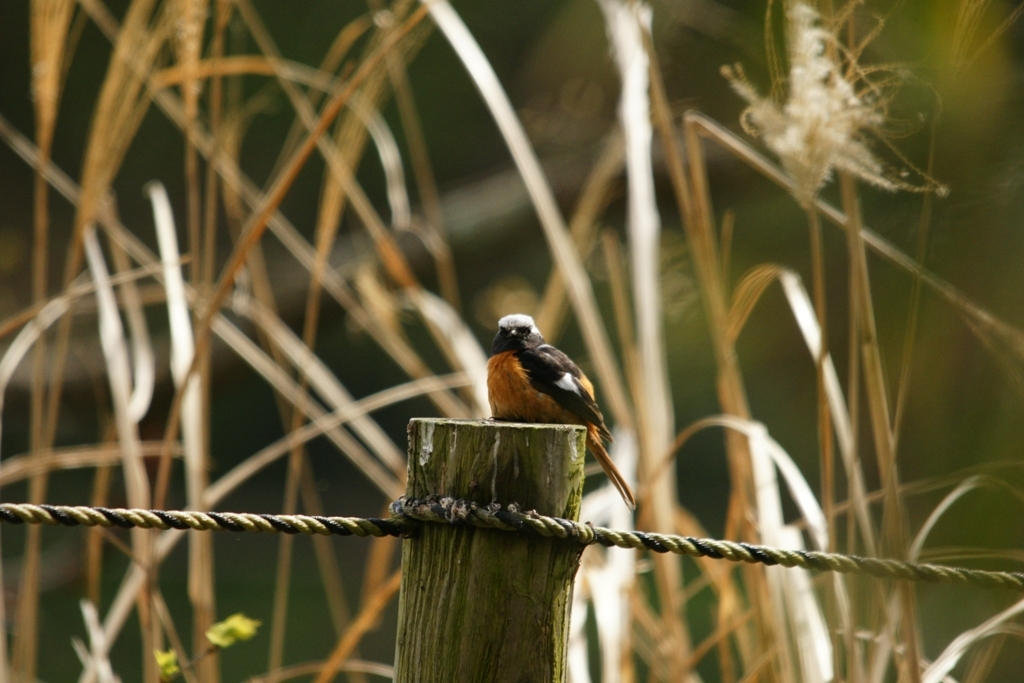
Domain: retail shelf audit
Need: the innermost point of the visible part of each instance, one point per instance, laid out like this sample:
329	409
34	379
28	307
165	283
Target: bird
529	380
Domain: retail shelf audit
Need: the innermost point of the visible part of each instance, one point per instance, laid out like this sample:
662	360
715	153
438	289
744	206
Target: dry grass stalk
615	263
298	462
317	427
141	253
395	344
367	618
583	226
119	111
808	174
121	604
433	233
341	184
798	137
320	377
96	656
167	622
967	44
267	206
25	650
387	336
694	207
118	370
49	25
944	663
280	380
998	335
94	544
351	666
190	23
193	431
626	25
580	291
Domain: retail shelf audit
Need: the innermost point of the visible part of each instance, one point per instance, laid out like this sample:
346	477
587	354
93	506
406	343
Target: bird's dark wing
554	373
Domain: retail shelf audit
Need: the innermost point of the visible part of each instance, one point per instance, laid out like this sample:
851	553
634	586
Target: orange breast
513	398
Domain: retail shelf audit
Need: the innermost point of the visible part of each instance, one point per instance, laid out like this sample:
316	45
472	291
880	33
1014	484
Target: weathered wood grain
478	604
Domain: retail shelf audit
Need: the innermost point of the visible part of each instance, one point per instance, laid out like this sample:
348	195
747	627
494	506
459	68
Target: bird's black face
516	332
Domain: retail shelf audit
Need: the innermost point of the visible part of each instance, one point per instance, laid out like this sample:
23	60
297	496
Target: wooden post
482	604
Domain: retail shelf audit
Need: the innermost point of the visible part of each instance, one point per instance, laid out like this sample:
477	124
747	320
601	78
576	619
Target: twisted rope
406	513
453	511
80	515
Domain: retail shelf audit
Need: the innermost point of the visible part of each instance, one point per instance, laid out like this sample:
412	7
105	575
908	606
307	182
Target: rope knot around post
445	509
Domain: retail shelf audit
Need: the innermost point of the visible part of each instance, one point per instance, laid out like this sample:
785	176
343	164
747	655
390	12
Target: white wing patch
569	383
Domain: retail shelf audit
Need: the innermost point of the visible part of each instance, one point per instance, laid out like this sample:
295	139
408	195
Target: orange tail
618	481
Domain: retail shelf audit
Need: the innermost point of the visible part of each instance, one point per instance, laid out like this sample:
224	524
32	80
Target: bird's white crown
516	321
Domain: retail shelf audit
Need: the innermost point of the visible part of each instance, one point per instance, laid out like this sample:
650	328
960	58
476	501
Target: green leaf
235	628
167	663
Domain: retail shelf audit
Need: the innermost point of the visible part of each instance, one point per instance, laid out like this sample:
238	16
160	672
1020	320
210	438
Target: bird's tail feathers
608	465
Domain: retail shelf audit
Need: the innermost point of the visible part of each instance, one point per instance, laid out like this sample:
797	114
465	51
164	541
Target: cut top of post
537	466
